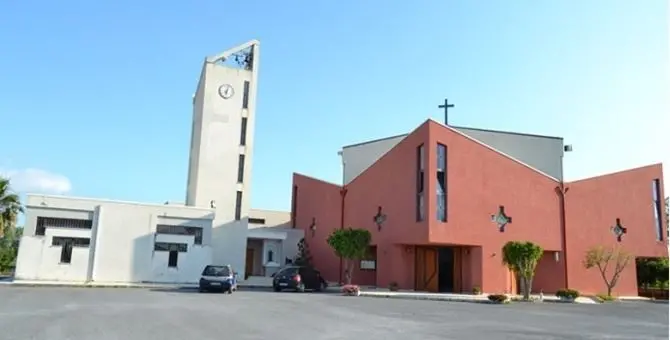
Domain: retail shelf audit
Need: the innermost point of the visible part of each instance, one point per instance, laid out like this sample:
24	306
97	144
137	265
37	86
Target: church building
441	201
98	240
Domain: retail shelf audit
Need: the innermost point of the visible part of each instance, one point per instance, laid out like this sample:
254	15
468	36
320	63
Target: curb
423	297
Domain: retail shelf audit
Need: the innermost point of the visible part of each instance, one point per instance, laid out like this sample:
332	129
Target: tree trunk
530	287
526	288
347	272
609	290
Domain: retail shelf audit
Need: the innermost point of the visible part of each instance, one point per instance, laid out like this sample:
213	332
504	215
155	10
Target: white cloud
40	181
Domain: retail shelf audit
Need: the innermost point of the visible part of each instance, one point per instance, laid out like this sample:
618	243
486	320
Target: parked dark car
218	278
298	278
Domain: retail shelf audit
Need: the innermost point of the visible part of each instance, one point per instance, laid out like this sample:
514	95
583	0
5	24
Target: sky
95	96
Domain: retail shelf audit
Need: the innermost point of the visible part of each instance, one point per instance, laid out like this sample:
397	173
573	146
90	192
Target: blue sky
96	95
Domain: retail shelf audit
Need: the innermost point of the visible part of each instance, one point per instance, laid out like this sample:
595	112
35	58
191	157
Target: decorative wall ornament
380	218
312	226
501	219
618	230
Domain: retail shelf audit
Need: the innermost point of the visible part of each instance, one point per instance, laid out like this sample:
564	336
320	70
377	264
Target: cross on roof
446	107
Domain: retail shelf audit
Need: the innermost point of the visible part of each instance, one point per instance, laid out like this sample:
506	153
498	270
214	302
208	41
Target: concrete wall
215	151
544	153
121	241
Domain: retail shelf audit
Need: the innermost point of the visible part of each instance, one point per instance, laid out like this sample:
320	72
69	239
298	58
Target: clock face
226	91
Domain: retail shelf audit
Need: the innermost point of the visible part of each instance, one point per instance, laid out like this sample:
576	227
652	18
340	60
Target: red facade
463	251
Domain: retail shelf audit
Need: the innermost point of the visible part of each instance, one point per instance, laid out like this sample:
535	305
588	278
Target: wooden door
513	285
426	270
249	263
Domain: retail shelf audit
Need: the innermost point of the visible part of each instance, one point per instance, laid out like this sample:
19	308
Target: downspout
343	194
564	237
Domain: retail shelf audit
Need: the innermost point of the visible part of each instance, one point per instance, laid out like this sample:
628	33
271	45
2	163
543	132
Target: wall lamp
557	256
312	226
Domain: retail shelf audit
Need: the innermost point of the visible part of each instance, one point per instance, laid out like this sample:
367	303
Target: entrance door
426	269
249	263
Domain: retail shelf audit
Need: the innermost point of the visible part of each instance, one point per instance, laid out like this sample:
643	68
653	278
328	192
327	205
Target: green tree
522	258
652	272
601	258
304	257
10	207
351	245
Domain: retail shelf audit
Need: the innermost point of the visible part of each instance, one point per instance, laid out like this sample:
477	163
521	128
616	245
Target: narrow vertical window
240	169
245	96
238	206
294	205
658	208
66	252
441	182
243	132
173	259
420	170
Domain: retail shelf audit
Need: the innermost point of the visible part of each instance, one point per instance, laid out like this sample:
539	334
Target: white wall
122	241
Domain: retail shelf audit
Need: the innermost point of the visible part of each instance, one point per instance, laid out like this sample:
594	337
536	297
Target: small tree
601	258
351	245
304	257
522	258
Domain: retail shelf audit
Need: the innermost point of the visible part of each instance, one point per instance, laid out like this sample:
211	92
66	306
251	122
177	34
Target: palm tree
10	207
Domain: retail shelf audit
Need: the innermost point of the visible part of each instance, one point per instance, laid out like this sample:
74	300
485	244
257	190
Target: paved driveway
130	314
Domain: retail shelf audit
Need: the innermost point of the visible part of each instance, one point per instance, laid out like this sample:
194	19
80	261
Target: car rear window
289	271
216	271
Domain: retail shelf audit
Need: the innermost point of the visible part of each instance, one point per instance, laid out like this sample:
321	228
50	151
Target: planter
566	299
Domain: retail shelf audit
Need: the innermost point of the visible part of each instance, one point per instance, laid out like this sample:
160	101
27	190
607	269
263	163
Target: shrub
393	286
605	297
351	290
497	298
570	294
476	290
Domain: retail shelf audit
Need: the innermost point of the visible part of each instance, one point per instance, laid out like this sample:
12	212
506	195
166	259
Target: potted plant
476	290
567	295
351	290
393	286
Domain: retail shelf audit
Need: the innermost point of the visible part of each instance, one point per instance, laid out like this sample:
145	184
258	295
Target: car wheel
229	291
276	288
300	288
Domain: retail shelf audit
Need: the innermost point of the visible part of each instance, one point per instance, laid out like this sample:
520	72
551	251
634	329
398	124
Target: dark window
243	132
658	210
256	220
238	206
53	222
240	169
271	256
245	96
173	258
66	253
294	205
441	182
216	271
167	246
288	271
181	230
74	241
420	180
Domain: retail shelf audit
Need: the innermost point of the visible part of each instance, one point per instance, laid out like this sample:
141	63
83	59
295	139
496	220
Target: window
271	256
181	230
66	244
238	206
74	241
167	246
53	222
441	182
245	96
66	253
420	167
256	220
294	205
240	169
658	210
173	258
243	132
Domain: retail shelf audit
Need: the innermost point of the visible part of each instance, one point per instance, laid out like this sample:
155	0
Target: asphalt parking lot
130	314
